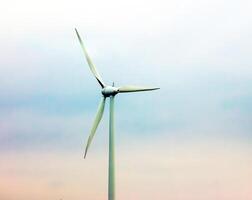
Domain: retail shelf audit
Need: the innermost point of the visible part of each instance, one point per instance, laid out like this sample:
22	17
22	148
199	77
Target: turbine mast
111	184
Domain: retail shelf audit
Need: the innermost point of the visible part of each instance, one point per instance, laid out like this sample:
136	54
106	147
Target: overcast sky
190	140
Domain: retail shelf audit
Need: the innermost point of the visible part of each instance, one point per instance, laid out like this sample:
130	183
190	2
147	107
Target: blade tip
76	32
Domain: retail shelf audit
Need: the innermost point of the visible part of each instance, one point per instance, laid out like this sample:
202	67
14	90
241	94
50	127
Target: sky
190	140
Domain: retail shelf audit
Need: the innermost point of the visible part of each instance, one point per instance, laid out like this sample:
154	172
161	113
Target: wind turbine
107	91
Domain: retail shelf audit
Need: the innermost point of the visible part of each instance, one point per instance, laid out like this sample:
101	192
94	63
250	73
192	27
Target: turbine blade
135	89
91	65
96	123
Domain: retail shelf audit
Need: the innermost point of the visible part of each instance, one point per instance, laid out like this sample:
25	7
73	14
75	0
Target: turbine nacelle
109	91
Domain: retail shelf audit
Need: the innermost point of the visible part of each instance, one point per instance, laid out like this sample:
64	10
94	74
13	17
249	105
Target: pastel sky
190	140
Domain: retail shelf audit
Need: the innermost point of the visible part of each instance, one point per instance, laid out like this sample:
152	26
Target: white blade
135	89
95	124
91	65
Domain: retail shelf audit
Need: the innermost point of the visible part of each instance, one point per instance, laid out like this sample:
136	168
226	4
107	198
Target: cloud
172	169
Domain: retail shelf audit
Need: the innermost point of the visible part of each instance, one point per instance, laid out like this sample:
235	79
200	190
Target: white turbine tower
107	91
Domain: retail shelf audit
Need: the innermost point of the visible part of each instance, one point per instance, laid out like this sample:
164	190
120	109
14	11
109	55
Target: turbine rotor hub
109	91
